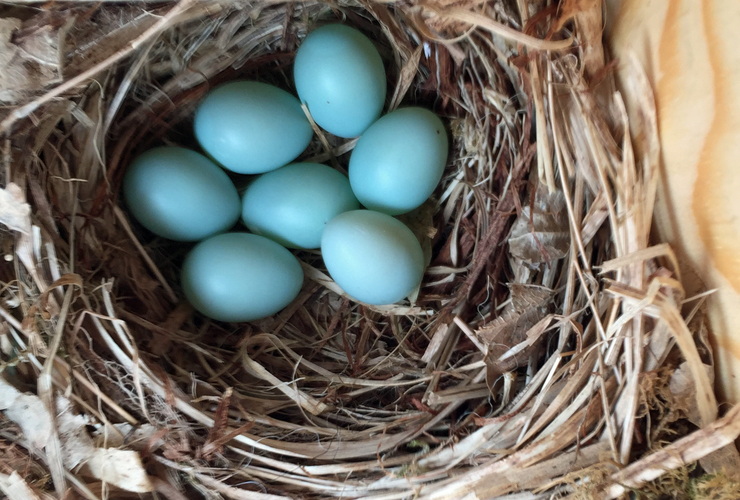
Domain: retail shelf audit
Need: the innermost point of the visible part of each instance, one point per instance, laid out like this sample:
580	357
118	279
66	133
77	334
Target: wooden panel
689	49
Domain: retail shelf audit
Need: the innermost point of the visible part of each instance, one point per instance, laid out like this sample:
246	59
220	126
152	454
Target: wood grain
689	49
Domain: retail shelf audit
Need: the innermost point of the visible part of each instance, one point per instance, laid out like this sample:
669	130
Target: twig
485	22
684	451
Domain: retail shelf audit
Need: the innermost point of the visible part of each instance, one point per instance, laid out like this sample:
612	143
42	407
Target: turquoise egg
374	258
399	161
252	127
180	194
293	204
339	75
240	277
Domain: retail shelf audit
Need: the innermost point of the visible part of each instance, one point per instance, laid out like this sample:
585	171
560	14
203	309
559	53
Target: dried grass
532	362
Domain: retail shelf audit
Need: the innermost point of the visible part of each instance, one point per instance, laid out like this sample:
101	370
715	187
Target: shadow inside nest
343	339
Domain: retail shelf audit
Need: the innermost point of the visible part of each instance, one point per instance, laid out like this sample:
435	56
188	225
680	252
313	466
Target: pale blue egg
252	127
180	194
374	258
240	277
398	162
339	75
293	204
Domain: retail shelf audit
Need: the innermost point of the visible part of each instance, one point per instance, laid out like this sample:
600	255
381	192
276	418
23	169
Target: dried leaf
28	411
41	45
77	445
30	61
15	488
515	325
14	211
528	305
725	460
541	236
135	437
684	390
121	468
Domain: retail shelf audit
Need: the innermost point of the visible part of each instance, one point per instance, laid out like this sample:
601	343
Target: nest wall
549	351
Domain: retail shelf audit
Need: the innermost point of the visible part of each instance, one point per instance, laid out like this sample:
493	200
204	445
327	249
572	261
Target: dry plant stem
629	205
152	266
684	451
158	27
14	487
64	367
590	27
338	151
53	447
481	21
76	482
405	79
324	142
125	86
653	252
544	153
332	398
306	402
235	493
658	307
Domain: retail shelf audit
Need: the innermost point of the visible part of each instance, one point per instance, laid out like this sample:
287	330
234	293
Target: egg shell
251	127
373	257
340	76
180	194
293	204
398	162
240	277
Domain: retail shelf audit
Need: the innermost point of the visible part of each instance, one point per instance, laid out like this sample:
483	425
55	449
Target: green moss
683	484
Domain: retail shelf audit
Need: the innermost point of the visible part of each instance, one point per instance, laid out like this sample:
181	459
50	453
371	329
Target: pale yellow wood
691	52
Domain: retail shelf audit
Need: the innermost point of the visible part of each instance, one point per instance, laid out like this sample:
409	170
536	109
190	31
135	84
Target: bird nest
550	350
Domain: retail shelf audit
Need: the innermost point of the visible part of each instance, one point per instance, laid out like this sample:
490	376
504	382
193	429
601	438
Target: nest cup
518	367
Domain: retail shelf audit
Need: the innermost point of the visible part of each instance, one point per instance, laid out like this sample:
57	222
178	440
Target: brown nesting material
549	352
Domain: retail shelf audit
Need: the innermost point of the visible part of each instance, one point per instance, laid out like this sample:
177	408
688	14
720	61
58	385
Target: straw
546	352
